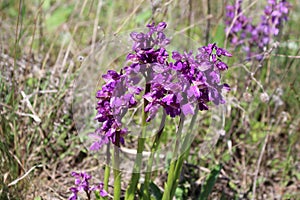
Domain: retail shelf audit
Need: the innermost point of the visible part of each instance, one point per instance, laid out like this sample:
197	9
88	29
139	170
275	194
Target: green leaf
58	17
210	182
46	4
97	195
143	16
157	193
219	34
179	193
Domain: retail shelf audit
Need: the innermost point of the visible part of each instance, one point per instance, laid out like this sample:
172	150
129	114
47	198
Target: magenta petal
95	146
195	91
187	109
103	193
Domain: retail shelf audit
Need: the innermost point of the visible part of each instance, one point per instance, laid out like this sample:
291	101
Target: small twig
18	161
129	17
22	177
17	34
5	105
83	7
252	77
133	113
34	115
35	25
58	195
47	56
258	166
190	16
287	69
134	152
41	92
99	6
287	56
244	182
204	169
237	105
153	9
208	23
192	25
168	3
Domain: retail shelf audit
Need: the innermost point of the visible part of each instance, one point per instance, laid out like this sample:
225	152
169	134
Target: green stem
177	171
107	171
146	194
171	178
117	172
185	148
130	192
168	185
88	194
176	167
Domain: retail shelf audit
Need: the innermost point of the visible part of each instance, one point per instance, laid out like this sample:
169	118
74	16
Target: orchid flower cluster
82	185
177	83
243	32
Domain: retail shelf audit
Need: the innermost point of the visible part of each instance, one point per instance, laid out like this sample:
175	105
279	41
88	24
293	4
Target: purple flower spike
249	35
82	185
176	83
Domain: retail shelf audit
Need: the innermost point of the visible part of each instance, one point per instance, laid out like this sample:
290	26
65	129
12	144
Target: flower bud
264	97
247	97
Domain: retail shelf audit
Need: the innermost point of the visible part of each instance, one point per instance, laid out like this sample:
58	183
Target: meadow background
42	45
